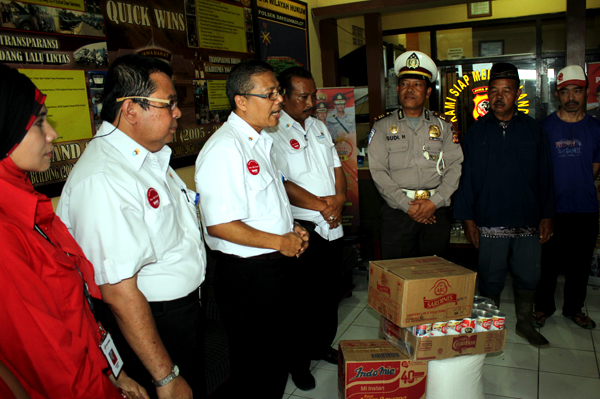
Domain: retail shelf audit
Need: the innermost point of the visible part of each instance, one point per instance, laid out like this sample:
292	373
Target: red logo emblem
486	324
294	143
153	198
382	284
462	343
441	287
253	167
559	77
440	290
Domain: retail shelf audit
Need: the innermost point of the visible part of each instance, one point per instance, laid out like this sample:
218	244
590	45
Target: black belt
309	226
166	306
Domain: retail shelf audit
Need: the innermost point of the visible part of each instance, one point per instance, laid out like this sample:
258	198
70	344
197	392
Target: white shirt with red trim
238	180
131	213
307	158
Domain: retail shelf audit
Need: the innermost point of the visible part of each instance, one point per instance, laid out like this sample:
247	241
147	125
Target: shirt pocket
296	160
163	227
433	147
398	155
258	182
324	147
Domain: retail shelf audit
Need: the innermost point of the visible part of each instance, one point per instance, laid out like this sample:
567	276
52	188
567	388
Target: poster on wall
593	104
54	43
66	46
283	33
335	108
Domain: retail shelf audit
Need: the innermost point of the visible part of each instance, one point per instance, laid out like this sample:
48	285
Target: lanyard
86	292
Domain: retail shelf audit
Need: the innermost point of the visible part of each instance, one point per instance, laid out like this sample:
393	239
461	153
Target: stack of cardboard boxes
407	293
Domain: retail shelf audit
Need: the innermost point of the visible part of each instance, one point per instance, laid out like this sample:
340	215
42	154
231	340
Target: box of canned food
470	335
376	369
424	290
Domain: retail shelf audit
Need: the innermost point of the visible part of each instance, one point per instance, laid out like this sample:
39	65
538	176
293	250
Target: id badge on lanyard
107	345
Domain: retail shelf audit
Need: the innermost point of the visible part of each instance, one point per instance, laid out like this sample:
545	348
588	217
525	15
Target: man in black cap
506	197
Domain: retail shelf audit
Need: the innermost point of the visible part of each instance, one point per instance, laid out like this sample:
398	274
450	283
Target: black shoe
330	356
304	380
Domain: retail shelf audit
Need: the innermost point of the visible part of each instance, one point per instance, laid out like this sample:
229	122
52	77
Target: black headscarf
20	102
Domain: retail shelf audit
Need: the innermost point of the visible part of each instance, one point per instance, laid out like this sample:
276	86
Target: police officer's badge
434	131
413	62
394	129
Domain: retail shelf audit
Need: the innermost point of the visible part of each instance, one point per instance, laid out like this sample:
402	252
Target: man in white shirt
137	223
316	186
250	228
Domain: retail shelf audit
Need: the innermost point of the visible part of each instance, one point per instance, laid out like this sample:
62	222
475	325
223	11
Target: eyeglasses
271	96
170	103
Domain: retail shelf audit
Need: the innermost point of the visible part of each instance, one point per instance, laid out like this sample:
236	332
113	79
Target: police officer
322	112
340	123
415	164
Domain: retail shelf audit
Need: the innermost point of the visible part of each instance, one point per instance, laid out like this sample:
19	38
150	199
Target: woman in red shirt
49	338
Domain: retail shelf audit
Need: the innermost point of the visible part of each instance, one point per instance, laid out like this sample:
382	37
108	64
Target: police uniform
339	126
409	163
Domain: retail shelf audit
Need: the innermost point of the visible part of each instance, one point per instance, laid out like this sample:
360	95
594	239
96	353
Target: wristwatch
174	374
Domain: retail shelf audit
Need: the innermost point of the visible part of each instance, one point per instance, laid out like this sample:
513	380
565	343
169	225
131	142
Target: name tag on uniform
111	354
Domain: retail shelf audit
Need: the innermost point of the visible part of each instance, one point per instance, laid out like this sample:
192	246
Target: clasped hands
422	211
332	212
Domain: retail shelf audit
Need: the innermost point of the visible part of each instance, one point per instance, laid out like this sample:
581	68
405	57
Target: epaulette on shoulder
441	116
382	116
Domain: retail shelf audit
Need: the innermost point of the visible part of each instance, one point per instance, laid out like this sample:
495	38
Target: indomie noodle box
375	369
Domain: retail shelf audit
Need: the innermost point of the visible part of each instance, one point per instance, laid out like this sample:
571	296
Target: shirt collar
131	150
287	122
245	131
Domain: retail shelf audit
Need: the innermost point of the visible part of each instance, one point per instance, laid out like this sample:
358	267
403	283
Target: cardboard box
376	369
444	347
424	290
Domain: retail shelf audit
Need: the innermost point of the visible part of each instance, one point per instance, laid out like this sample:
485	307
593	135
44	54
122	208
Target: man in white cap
415	163
574	139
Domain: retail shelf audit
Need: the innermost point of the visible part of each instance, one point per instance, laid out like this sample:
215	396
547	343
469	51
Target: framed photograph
491	48
479	10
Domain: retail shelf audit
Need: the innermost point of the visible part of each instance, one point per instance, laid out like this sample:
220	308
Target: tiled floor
569	368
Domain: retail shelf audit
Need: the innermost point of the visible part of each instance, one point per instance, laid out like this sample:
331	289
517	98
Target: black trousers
314	282
180	324
402	237
254	303
569	250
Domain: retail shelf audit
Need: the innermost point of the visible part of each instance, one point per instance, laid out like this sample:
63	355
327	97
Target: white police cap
415	63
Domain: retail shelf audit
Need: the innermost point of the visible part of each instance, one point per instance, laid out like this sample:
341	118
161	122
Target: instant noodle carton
375	369
428	348
423	290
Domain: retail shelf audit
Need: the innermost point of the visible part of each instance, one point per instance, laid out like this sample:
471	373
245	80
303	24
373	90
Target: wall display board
65	46
593	72
283	33
468	93
339	118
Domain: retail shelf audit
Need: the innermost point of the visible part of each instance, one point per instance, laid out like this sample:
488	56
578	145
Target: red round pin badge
294	143
153	198
253	167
